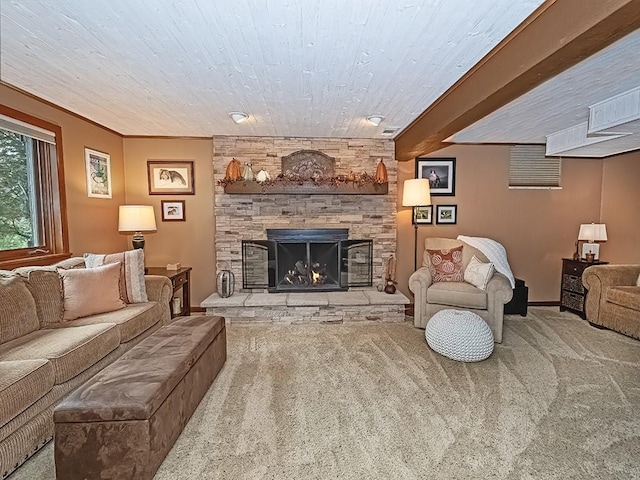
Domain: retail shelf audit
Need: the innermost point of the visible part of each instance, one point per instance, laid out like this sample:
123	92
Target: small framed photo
98	167
446	214
423	215
173	211
441	173
168	177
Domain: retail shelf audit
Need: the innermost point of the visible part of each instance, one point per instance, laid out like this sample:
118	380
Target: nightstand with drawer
180	280
572	293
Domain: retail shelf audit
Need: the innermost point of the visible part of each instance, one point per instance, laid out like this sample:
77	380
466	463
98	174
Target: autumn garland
358	179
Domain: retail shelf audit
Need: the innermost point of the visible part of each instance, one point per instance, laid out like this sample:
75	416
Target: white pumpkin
262	176
247	173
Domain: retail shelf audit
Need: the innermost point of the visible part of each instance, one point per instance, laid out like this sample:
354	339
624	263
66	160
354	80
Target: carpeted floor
558	399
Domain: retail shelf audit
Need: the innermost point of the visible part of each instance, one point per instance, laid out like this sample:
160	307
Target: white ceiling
563	102
297	67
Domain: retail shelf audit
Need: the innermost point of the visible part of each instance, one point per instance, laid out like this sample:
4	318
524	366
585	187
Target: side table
572	293
180	280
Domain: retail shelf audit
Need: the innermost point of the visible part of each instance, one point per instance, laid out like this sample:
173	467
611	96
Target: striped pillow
132	285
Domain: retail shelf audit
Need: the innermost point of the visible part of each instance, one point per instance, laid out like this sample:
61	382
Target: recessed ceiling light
375	120
238	117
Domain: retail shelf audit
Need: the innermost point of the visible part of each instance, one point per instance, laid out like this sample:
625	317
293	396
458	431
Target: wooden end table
179	280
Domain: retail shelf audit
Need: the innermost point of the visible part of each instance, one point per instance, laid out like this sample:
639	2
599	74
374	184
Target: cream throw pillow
638	281
132	284
88	291
478	273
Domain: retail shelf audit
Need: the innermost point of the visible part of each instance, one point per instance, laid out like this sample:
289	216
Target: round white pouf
459	335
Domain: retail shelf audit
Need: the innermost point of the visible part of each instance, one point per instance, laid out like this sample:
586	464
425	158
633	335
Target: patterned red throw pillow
446	265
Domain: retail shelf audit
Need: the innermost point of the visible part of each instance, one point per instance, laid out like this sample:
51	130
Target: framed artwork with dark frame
173	211
423	215
446	214
98	169
170	177
441	173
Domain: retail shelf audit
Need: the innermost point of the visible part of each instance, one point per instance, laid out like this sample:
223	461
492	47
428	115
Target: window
530	168
32	210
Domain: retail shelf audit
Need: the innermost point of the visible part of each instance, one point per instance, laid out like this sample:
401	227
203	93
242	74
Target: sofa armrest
419	281
598	278
499	288
159	289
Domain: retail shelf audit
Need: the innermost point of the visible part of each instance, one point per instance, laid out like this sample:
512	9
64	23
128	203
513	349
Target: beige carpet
557	399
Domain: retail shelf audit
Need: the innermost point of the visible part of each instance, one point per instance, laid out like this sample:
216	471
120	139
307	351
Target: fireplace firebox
293	260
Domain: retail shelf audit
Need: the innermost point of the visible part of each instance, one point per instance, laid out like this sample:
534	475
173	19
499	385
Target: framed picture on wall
98	169
173	211
446	214
167	177
424	215
441	173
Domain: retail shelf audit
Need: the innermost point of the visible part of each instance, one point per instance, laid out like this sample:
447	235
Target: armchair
432	297
613	297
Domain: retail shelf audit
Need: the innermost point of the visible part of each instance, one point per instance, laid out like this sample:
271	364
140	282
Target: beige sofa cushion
71	350
628	297
457	294
46	288
131	320
88	291
22	382
18	315
45	285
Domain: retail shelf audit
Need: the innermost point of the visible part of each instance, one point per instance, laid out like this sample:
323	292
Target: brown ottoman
123	422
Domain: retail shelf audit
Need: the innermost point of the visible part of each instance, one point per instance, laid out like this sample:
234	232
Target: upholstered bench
123	421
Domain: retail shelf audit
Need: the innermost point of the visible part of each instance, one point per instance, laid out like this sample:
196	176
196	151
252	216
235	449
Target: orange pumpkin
234	170
381	173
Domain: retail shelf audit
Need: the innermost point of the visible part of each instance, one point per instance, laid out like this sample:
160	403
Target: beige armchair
433	297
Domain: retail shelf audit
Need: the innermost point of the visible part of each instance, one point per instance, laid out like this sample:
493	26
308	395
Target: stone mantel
305	188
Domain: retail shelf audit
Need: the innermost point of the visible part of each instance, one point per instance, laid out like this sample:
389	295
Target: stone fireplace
363	219
248	217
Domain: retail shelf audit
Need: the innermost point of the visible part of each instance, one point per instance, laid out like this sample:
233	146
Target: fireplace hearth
293	260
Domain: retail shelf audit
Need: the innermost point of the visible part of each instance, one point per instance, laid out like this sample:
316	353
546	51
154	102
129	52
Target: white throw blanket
495	252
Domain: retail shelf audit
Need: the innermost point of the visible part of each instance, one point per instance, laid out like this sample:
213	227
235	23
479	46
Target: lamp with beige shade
136	219
416	193
592	233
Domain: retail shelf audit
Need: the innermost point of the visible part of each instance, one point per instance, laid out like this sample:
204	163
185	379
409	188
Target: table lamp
416	193
591	233
136	219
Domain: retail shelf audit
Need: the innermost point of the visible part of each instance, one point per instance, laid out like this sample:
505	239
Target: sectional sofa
44	356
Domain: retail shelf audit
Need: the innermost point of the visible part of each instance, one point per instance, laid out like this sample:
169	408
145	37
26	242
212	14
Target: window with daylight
32	210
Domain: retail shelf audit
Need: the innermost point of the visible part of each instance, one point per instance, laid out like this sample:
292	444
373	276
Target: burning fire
315	277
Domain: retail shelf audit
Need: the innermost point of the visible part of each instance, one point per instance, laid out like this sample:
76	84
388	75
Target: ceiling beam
558	35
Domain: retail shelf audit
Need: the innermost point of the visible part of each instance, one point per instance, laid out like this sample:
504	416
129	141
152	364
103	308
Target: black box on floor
518	304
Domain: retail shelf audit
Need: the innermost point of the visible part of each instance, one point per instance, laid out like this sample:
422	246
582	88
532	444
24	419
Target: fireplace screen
306	260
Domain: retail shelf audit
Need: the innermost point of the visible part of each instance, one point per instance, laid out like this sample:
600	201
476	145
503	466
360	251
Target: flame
315	277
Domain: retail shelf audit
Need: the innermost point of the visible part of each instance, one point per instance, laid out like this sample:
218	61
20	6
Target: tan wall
537	227
189	242
93	222
621	208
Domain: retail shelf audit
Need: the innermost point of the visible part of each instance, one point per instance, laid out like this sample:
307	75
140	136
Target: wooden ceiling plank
556	36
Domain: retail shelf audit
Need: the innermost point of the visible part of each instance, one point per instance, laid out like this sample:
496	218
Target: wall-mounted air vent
389	132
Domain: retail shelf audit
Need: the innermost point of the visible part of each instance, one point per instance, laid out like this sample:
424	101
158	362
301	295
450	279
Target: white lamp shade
136	218
416	193
593	232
